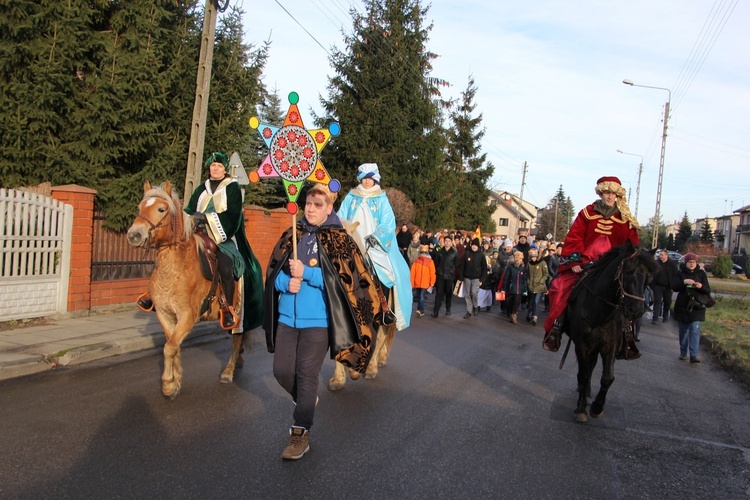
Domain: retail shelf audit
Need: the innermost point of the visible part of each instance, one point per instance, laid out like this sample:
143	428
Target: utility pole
554	233
200	108
520	202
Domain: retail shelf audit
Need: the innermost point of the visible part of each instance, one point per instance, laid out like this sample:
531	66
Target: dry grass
727	328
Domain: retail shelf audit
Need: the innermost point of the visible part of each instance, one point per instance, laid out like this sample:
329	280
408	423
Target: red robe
590	236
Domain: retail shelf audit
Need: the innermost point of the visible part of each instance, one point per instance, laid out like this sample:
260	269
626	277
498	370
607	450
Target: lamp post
655	240
638	184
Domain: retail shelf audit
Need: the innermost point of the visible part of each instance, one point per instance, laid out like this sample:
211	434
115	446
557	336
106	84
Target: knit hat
424	249
613	185
368	170
217	157
475	241
690	256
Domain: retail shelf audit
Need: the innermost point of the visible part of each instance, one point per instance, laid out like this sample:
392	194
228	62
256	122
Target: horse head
637	269
160	222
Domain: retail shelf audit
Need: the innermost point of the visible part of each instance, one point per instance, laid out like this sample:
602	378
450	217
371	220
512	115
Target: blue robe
389	264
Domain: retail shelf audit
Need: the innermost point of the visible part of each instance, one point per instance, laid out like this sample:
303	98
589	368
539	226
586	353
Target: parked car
676	256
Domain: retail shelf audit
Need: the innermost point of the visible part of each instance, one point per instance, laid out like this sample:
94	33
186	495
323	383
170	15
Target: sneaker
695	360
420	313
434	315
476	311
467	315
299	443
533	320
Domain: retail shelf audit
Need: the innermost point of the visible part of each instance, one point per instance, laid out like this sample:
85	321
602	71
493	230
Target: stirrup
225	315
145	303
552	341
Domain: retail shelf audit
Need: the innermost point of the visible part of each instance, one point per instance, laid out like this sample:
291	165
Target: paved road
465	409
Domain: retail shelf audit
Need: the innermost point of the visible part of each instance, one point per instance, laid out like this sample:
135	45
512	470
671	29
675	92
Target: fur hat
368	170
424	249
690	256
217	157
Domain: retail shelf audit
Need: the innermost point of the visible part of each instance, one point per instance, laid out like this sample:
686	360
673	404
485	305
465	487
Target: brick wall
263	228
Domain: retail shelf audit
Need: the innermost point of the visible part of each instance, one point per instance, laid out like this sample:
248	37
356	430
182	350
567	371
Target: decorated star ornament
294	153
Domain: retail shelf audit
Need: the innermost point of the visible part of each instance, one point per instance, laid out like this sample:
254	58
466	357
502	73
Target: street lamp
655	239
638	185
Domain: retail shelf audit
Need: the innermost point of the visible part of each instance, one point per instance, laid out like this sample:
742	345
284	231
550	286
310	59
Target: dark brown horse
177	285
609	295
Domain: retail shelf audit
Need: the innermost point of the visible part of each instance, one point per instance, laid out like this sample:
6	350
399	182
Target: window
502	222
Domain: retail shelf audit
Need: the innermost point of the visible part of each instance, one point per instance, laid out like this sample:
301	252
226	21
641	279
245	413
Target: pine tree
469	192
556	217
670	242
646	234
386	102
707	234
684	232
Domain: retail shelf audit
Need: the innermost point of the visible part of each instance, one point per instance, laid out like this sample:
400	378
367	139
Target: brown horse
177	285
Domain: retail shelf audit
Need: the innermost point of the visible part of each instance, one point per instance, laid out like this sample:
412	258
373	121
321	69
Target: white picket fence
35	241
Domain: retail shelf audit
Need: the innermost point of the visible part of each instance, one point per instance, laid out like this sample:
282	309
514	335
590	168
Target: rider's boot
145	303
552	338
227	317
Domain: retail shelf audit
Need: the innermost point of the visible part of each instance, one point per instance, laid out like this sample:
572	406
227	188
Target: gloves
372	241
199	219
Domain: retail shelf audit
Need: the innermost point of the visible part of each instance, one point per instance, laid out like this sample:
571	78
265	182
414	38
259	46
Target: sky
549	77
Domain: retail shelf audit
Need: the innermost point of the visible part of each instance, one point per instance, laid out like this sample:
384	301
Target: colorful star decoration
294	153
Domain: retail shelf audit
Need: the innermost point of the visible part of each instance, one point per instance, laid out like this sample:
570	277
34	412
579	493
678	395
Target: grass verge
727	329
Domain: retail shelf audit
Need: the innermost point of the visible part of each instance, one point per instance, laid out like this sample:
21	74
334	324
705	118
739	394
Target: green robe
226	226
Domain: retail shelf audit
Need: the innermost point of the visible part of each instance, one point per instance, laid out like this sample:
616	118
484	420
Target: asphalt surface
465	409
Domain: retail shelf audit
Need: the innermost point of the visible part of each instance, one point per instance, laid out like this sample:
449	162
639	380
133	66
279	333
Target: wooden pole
200	108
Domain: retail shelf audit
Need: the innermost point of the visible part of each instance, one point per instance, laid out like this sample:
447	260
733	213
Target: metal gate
35	240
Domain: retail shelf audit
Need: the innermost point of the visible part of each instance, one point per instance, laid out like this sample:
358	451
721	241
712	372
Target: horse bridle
157	226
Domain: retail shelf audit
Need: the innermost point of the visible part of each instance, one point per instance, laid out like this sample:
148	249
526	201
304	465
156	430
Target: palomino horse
608	296
384	339
177	285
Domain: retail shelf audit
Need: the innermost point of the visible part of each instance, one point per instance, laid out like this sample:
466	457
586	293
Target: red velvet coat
592	235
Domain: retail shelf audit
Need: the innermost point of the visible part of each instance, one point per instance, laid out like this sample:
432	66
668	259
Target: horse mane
184	223
604	269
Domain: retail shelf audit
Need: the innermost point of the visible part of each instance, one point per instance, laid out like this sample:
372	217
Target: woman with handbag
693	293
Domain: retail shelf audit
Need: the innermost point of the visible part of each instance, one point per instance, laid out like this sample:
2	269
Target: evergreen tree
646	234
707	234
684	232
556	217
468	206
670	242
386	102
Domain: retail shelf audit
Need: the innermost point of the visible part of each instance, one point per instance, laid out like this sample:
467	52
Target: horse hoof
370	375
226	379
171	395
354	374
381	363
581	417
333	385
596	415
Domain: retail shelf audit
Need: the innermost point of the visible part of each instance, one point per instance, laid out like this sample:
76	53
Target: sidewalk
72	341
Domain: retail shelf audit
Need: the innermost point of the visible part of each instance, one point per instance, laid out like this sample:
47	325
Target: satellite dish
237	170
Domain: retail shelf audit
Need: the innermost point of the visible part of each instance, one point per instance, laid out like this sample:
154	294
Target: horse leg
385	351
608	376
234	359
339	377
585	369
171	379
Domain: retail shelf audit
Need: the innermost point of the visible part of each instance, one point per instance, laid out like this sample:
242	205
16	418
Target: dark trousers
513	300
297	361
443	290
662	297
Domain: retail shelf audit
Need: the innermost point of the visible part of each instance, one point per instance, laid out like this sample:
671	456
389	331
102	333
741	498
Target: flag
477	234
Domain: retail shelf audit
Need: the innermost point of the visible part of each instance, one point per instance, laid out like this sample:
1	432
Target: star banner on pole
294	153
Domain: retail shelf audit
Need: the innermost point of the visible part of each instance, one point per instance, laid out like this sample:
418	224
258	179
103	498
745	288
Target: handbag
705	299
458	290
500	295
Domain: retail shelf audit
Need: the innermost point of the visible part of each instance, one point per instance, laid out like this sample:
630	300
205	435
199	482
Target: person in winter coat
422	276
446	263
412	251
514	285
662	286
690	283
403	238
537	283
472	269
523	246
324	298
489	283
